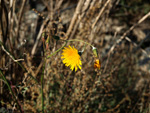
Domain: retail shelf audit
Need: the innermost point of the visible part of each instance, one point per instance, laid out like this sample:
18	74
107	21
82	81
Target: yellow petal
71	58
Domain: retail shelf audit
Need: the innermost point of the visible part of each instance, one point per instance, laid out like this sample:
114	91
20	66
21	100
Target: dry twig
100	13
131	28
38	38
75	16
11	55
19	19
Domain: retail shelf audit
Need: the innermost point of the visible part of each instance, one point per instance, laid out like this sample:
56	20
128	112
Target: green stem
57	50
42	78
9	87
66	43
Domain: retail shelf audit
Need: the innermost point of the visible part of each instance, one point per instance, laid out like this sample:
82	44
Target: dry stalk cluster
120	86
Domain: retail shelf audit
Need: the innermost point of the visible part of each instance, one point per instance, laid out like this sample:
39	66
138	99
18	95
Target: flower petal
71	58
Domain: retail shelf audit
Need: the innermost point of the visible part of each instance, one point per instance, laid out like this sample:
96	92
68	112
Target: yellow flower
71	58
97	64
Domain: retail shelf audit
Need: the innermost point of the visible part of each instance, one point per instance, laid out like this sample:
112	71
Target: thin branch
11	21
4	21
128	39
108	56
11	55
38	37
129	30
100	13
80	17
75	16
57	5
19	20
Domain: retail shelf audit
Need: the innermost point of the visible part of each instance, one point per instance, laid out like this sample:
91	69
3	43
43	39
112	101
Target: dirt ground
33	78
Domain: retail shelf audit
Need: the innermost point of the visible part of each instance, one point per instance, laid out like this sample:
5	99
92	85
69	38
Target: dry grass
35	83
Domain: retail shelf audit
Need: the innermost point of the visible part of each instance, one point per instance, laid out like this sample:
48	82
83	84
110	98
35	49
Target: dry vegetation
31	82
